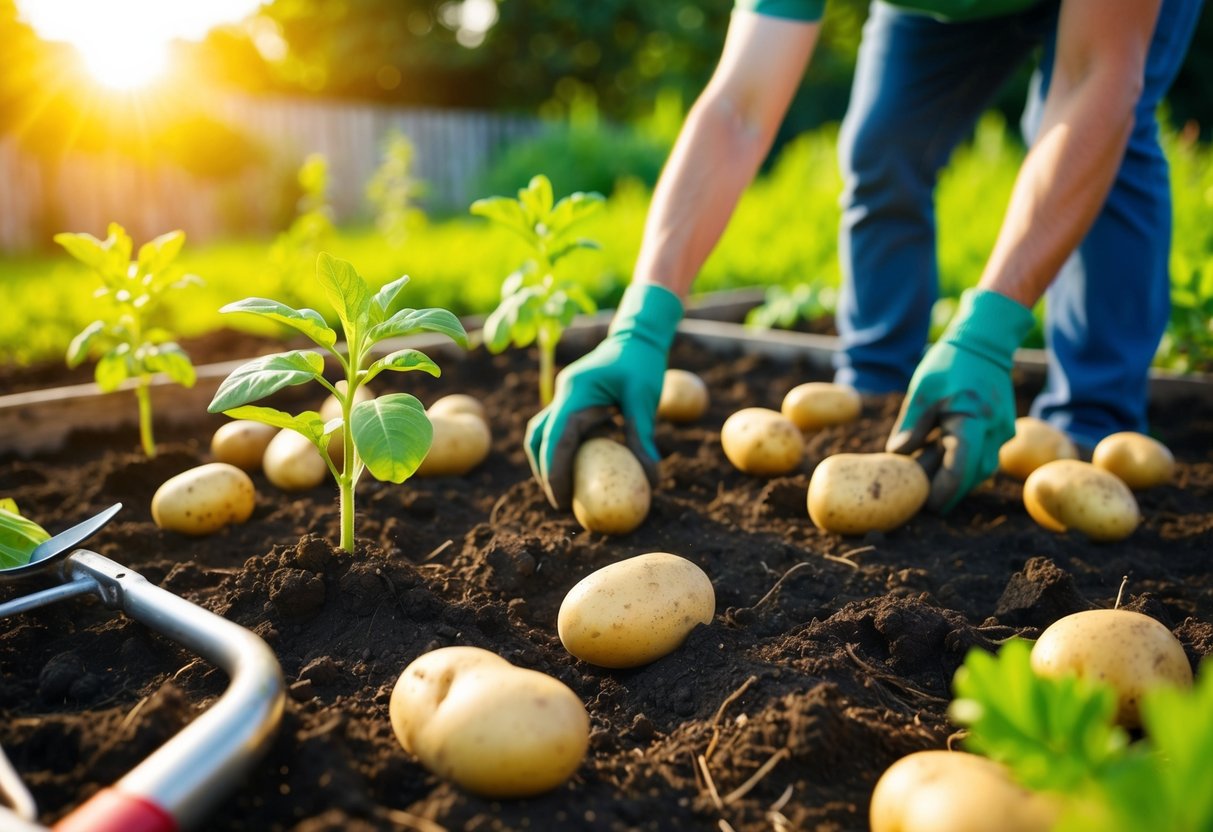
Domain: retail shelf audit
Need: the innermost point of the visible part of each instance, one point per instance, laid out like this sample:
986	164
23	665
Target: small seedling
783	307
18	536
390	435
295	249
393	190
133	348
536	306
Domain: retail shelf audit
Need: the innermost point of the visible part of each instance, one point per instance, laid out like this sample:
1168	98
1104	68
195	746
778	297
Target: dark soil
834	654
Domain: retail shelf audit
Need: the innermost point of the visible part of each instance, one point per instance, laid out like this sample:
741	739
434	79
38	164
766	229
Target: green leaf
508	213
513	283
581	297
157	254
307	423
346	291
79	348
18	536
536	199
573	209
114	368
1053	733
403	361
560	252
498	328
267	374
383	300
86	248
392	435
408	321
308	321
170	359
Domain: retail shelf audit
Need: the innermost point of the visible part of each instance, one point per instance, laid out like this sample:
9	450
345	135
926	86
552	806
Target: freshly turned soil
831	655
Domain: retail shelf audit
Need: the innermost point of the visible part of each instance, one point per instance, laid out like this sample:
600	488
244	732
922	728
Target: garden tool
179	783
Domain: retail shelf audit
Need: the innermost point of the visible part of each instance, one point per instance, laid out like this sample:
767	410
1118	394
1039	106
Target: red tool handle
109	810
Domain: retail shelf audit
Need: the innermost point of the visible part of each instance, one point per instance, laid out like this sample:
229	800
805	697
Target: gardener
1089	221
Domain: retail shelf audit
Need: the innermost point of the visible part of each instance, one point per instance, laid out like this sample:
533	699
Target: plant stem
144	396
547	366
347	482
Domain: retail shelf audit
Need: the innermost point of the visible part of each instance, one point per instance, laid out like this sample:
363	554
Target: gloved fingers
562	436
914	424
638	416
970	455
533	444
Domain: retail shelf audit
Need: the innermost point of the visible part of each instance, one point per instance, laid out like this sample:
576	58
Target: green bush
576	157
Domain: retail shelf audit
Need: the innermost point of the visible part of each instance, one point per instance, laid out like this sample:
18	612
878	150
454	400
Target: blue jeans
920	84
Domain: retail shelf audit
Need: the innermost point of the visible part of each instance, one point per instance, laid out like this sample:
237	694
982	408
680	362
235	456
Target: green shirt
941	9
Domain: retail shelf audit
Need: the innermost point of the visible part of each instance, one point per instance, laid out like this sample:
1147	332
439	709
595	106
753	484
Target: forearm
1087	121
724	140
714	160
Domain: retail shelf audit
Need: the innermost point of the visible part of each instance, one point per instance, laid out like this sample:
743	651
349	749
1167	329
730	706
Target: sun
126	44
122	66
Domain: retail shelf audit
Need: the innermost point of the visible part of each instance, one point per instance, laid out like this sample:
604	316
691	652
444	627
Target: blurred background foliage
613	80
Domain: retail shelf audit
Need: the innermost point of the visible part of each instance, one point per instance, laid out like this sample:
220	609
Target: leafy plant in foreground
536	306
18	536
390	435
133	348
1059	736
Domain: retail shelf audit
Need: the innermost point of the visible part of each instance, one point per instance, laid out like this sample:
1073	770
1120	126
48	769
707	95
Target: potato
203	500
1130	651
461	442
493	728
611	493
1139	460
293	463
761	441
242	443
635	611
331	408
952	791
1035	443
860	493
1070	494
458	403
684	397
819	404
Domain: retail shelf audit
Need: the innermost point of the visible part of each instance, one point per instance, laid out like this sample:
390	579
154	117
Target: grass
784	232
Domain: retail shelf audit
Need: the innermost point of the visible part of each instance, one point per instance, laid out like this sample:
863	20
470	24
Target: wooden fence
84	192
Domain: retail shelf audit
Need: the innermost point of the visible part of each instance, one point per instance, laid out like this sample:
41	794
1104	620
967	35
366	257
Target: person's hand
626	371
963	387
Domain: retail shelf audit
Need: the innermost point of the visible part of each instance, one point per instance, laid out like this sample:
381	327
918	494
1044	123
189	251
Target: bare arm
725	138
1088	116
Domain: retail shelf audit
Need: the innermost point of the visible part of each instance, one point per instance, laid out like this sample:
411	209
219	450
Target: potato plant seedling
133	348
390	435
1059	735
536	306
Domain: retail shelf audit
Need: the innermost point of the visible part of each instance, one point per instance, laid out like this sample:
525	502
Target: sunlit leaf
408	321
346	291
403	361
265	375
79	348
307	423
170	359
308	321
113	368
392	435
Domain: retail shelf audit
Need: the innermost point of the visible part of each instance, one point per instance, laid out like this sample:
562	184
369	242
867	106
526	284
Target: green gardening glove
963	387
626	371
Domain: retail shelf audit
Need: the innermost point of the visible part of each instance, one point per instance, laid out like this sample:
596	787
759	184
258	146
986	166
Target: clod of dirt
1038	595
58	675
296	593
